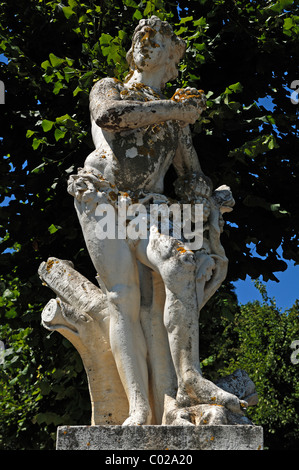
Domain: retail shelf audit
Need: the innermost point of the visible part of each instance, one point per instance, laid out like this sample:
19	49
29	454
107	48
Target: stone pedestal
225	437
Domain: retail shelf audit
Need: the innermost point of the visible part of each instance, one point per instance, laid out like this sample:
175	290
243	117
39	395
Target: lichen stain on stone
149	35
112	195
49	265
181	95
139	92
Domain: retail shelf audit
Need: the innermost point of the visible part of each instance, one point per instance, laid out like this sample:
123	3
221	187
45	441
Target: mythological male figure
138	134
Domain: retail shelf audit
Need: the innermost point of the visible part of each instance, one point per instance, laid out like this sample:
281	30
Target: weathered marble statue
137	333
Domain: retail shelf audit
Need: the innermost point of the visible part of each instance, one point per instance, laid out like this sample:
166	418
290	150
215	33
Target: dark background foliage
239	52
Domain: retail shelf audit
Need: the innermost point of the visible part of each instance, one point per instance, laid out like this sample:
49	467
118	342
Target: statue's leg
117	269
162	375
178	271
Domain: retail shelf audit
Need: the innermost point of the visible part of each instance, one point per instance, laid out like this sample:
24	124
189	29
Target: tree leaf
36	143
46	65
57	87
38	169
186	19
47	125
236	87
29	133
55	61
53	228
68	12
59	134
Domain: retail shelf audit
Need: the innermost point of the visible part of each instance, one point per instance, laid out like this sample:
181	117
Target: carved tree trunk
80	313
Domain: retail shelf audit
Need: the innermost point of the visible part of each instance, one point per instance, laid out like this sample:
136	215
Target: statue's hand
223	198
205	267
190	96
193	101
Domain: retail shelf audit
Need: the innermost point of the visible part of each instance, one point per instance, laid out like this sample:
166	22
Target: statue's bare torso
134	158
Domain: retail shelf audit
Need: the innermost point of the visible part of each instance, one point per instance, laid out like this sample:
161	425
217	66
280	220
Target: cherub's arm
186	159
112	113
212	268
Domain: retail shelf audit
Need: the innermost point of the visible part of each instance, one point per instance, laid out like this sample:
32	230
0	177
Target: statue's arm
112	113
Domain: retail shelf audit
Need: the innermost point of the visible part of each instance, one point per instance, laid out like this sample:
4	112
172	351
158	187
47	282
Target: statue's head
176	47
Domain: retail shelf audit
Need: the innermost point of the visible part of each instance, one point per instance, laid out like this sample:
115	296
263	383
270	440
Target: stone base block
225	437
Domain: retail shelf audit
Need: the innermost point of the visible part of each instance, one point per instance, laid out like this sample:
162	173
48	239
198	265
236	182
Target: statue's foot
138	419
197	390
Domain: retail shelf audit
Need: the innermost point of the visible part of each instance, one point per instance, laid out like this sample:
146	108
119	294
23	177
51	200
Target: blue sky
285	292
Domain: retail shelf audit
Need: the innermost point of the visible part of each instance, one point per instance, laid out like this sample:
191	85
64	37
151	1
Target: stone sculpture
137	332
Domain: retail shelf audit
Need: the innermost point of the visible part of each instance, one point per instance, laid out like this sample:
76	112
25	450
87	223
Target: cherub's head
152	34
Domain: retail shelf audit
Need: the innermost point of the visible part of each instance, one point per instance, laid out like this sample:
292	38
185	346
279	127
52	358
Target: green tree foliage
239	52
259	341
42	383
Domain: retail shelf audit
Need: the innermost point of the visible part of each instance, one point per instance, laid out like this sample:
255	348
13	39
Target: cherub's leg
177	269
